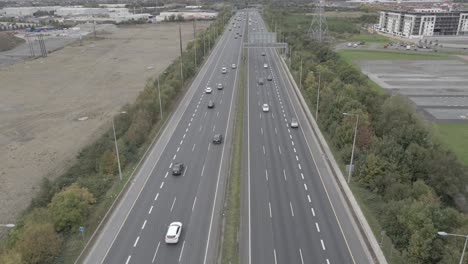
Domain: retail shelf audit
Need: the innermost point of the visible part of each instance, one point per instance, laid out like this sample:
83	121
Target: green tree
39	243
70	207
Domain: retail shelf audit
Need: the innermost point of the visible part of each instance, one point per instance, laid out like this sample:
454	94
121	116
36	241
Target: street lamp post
442	233
318	97
117	147
354	144
160	105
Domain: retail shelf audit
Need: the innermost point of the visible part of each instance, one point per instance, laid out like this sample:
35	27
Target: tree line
419	185
47	231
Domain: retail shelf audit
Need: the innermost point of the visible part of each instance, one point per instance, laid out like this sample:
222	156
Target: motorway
289	215
192	197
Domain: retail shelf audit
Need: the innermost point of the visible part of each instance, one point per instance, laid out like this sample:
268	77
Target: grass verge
230	252
370	38
455	137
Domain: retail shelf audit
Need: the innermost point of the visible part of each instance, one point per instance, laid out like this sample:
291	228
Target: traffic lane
282	217
261	244
328	220
199	227
151	177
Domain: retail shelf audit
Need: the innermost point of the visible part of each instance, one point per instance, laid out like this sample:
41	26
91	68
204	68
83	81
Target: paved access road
193	198
290	218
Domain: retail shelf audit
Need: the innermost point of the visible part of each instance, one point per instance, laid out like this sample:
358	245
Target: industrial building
420	23
187	15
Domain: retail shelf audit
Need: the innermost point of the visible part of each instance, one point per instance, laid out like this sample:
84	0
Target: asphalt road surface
290	217
190	198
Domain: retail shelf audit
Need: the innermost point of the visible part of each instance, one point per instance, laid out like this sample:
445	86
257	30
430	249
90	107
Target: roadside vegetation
49	231
408	183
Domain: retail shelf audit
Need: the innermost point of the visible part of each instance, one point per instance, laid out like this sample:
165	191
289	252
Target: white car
224	70
265	108
220	86
294	123
173	233
208	90
233	66
349	45
265	66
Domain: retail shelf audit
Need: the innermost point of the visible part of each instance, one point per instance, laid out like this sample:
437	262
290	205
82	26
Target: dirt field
41	101
8	41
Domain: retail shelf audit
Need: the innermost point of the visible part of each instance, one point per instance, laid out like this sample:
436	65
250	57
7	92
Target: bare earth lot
41	101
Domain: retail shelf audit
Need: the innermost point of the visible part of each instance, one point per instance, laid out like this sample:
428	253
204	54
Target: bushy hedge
415	179
69	201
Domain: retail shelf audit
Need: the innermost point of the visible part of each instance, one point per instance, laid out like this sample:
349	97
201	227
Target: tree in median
70	207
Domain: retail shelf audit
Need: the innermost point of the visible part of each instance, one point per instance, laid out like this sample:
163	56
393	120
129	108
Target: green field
370	38
351	55
455	137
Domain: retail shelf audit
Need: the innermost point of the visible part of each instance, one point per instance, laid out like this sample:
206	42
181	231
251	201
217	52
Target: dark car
270	78
210	104
260	81
217	139
178	168
263	54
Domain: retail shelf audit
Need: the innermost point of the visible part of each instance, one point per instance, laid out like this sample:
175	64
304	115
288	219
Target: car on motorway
265	108
223	70
260	81
217	139
220	86
269	77
265	65
210	104
263	54
233	66
208	90
178	168
294	123
230	29
235	37
173	233
240	34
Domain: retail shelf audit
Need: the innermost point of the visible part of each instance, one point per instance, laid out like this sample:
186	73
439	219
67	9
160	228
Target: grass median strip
230	252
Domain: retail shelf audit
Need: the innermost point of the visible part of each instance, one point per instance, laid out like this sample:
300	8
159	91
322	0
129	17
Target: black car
263	54
210	104
217	139
270	78
178	168
260	81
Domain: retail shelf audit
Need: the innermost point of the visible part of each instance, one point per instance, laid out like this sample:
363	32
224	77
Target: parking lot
437	87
